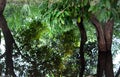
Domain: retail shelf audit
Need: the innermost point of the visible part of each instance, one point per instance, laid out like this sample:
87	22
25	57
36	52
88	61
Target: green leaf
85	2
58	14
93	9
62	21
104	15
67	13
79	20
108	4
94	2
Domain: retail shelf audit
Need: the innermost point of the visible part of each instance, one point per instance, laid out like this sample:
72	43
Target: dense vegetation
48	37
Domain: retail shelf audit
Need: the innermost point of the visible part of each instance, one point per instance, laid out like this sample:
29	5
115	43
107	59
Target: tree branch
100	37
82	43
108	32
2	6
8	45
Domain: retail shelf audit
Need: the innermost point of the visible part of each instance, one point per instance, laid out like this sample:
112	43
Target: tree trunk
108	32
101	64
8	41
9	47
82	43
105	65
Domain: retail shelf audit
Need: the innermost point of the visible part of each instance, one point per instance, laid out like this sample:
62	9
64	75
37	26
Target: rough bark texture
8	41
82	43
105	65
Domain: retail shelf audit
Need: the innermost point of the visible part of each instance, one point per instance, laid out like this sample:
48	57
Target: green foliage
55	55
13	16
34	31
47	34
91	58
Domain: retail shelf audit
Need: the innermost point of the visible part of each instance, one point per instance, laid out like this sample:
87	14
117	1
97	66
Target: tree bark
8	41
9	47
105	65
108	32
82	43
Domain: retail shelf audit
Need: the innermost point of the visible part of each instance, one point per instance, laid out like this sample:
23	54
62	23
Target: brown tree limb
100	37
82	43
8	41
108	65
108	32
2	6
104	44
9	47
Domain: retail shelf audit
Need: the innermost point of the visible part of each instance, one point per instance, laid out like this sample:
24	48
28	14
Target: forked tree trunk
105	65
8	41
82	43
